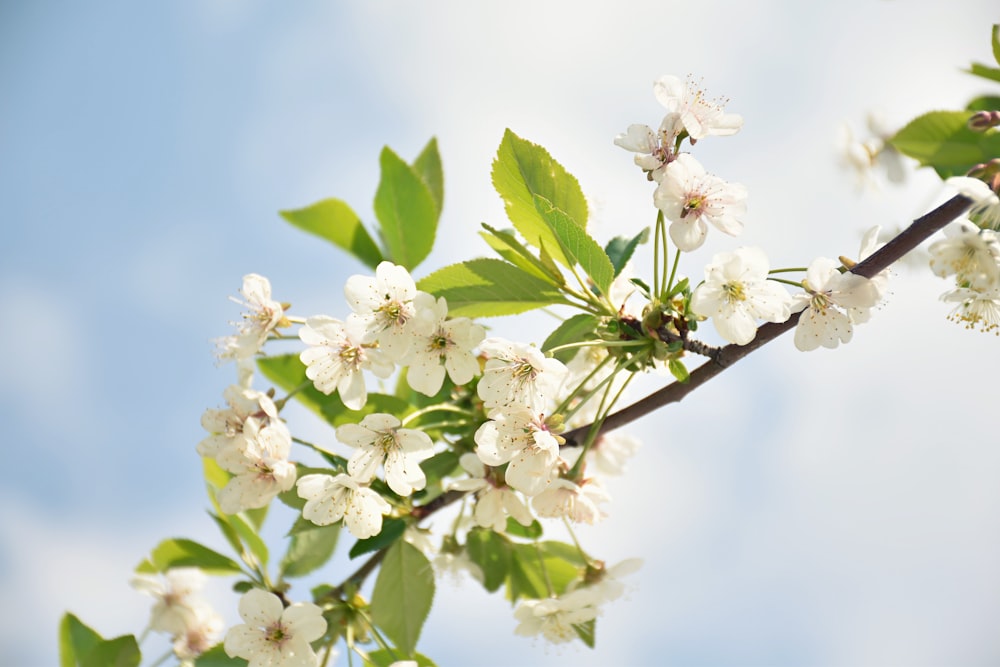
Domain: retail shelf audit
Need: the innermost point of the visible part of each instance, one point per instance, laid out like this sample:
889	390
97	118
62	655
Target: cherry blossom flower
985	209
736	293
519	436
263	316
273	635
554	617
260	468
337	356
517	374
177	595
578	503
976	308
969	253
226	426
700	116
203	633
442	345
654	150
384	304
864	157
330	499
493	503
689	197
379	439
829	295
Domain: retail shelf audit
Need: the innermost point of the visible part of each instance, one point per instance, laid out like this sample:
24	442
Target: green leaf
489	287
428	167
586	631
620	249
531	532
257	547
491	552
385	658
333	220
995	40
984	71
288	372
118	652
227	531
534	566
522	170
576	244
983	103
217	657
75	640
508	247
578	328
404	592
439	466
392	530
309	550
940	139
678	370
406	211
180	552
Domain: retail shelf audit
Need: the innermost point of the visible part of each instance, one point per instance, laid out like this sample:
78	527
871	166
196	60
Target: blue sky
829	508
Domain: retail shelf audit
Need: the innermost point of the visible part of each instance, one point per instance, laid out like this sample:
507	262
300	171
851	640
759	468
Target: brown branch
878	261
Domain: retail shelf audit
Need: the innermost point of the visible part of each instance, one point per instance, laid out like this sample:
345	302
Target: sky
830	508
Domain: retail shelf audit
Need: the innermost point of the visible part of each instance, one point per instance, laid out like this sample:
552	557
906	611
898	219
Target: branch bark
907	240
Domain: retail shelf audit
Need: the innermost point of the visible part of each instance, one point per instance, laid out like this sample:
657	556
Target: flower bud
984	120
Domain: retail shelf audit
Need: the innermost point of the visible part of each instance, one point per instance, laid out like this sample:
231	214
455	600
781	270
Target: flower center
350	356
693	205
734	291
276	634
386	440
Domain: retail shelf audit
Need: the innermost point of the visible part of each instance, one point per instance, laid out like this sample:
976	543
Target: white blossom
865	156
264	314
274	635
554	617
380	440
829	296
689	197
493	503
976	308
736	293
519	437
336	357
439	345
579	503
520	375
203	633
384	304
330	499
654	150
261	469
700	116
985	209
969	253
177	596
226	426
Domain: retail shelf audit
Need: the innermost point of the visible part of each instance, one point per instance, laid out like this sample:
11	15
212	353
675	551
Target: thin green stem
280	403
673	271
545	570
438	407
801	269
787	282
576	542
658	230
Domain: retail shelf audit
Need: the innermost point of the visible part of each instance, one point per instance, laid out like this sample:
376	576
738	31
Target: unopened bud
847	262
984	120
989	173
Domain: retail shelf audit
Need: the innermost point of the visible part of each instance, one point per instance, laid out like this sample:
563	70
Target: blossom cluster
180	611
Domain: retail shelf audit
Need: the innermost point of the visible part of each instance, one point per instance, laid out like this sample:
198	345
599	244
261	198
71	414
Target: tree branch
878	261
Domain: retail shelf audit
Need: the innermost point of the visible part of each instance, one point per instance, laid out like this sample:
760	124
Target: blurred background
828	508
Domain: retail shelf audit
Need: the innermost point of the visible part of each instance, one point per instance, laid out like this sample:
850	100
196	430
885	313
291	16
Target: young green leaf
983	103
620	249
428	167
249	536
118	652
180	552
995	40
984	71
75	640
586	630
489	287
491	552
576	244
941	139
508	247
578	328
217	657
678	370
406	211
404	592
309	550
386	658
335	221
522	170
